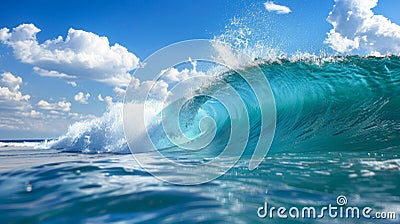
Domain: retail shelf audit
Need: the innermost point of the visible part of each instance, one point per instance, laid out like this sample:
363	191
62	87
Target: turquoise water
338	133
112	188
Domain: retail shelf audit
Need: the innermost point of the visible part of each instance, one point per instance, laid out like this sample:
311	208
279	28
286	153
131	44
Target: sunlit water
96	188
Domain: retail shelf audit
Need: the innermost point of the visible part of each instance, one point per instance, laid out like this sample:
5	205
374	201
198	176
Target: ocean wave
349	103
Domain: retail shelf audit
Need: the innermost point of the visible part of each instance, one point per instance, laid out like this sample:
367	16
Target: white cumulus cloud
81	55
63	106
356	29
120	92
17	113
187	80
11	98
107	99
279	9
32	113
82	98
11	81
72	83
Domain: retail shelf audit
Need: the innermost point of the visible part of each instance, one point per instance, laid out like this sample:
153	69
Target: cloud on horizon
356	29
81	55
18	113
279	9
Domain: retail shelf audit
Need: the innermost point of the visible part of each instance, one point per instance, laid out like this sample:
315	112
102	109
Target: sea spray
102	134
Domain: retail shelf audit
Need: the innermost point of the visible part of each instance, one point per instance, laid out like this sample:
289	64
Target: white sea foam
101	134
26	144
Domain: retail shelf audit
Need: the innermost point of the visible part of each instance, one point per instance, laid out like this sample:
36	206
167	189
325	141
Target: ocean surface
337	134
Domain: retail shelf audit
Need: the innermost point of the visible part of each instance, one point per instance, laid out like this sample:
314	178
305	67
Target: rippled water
71	187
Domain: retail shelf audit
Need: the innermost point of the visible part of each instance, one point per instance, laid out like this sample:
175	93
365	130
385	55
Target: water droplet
28	188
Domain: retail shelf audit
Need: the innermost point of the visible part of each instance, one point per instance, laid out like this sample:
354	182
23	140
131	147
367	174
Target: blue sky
35	106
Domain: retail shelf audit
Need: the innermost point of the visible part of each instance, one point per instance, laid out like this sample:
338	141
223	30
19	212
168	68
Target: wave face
323	104
347	104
